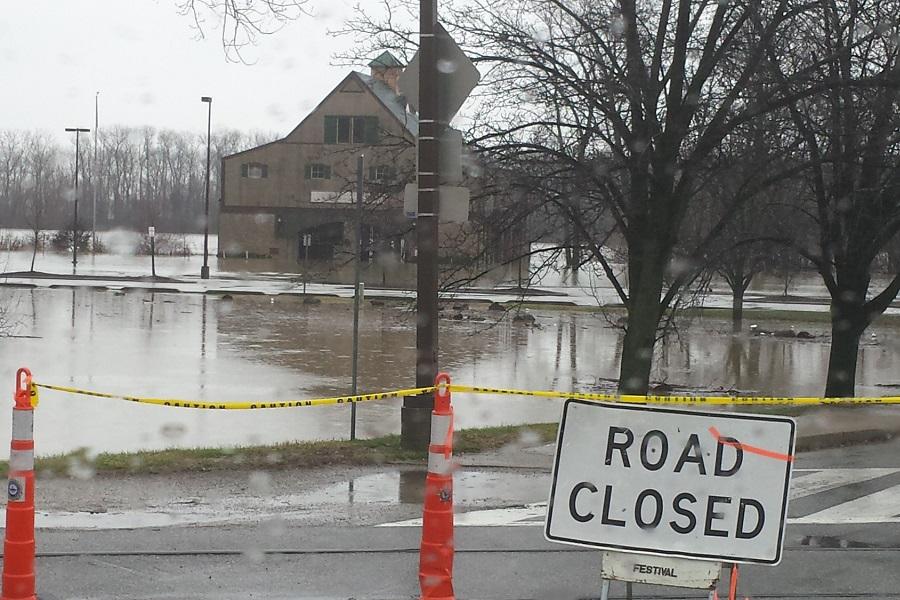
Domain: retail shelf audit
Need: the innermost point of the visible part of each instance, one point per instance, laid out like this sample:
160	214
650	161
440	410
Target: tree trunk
34	251
737	308
643	321
847	325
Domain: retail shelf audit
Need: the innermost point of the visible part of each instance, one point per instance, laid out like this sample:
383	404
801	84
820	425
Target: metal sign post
307	242
357	258
151	232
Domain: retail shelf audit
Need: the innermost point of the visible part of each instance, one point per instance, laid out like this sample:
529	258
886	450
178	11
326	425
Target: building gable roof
386	60
394	103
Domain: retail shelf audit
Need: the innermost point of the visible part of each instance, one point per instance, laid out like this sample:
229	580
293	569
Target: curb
839	439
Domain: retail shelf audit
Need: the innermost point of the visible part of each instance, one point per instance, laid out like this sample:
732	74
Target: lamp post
204	270
96	178
78	131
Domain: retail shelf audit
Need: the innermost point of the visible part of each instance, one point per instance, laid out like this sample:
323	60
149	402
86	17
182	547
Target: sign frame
668	552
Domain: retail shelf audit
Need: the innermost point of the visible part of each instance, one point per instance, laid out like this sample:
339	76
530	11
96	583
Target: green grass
374	451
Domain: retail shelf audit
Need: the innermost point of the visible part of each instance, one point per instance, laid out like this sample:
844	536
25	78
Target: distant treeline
141	177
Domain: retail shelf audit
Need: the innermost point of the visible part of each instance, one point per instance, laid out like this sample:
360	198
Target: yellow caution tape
710	400
242	405
34	395
467	389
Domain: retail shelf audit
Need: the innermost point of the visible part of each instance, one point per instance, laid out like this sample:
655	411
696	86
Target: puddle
471	489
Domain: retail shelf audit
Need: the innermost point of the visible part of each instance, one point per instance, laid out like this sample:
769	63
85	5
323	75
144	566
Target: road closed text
670	481
684	512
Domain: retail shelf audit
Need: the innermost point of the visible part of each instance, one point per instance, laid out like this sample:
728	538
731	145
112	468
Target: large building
293	199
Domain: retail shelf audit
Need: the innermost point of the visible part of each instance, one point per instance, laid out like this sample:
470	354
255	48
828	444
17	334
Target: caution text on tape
353	399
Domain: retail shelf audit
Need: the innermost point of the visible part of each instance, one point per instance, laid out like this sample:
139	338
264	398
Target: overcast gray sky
151	69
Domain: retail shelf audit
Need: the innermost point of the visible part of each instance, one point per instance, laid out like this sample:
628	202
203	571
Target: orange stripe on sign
748	448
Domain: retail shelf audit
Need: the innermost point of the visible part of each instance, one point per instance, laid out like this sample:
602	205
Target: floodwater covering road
205	347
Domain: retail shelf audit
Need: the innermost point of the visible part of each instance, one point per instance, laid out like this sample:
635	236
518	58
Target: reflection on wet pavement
471	490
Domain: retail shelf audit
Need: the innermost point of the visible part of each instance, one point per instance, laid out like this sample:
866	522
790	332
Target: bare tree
241	22
628	100
851	135
41	156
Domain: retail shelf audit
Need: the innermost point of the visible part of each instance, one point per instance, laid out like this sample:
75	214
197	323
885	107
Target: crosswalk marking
812	481
878	507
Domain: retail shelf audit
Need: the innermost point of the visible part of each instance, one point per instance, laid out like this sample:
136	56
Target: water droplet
254	555
173	431
260	482
447	66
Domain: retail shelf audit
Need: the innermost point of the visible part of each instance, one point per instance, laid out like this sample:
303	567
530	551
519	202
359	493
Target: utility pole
78	131
357	272
415	416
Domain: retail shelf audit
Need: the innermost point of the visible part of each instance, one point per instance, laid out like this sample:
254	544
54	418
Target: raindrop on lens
447	66
260	482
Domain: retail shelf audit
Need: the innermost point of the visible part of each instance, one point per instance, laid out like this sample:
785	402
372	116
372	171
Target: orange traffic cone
436	555
18	547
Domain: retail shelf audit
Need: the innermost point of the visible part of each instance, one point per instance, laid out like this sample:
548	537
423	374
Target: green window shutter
359	130
344	125
331	126
371	173
244	170
307	171
372	134
392	172
327	172
265	171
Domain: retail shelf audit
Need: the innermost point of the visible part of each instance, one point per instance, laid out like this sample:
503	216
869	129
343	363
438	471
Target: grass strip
375	451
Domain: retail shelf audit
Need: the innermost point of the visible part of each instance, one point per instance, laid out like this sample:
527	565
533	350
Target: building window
382	173
255	170
317	171
351	130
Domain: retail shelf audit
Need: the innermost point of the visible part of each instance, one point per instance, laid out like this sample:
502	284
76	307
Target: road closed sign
672	482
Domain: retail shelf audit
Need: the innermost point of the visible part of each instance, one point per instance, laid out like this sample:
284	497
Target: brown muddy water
276	348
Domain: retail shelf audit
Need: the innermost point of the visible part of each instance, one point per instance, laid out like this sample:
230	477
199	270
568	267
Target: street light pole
204	270
96	178
78	131
415	416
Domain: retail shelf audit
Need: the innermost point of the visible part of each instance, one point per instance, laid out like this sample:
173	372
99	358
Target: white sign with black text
668	481
660	570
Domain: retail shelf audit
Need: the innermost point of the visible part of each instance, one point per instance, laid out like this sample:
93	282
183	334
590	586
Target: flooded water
198	346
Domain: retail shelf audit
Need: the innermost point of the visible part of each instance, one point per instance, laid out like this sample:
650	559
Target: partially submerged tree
41	156
851	136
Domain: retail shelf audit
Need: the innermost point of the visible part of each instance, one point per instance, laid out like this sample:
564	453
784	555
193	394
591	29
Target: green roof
386	60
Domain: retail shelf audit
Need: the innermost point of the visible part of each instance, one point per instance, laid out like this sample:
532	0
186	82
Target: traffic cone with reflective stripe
18	546
436	555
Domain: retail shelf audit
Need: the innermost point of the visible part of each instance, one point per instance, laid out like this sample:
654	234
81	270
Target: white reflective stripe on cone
21	460
23	425
440	429
438	464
